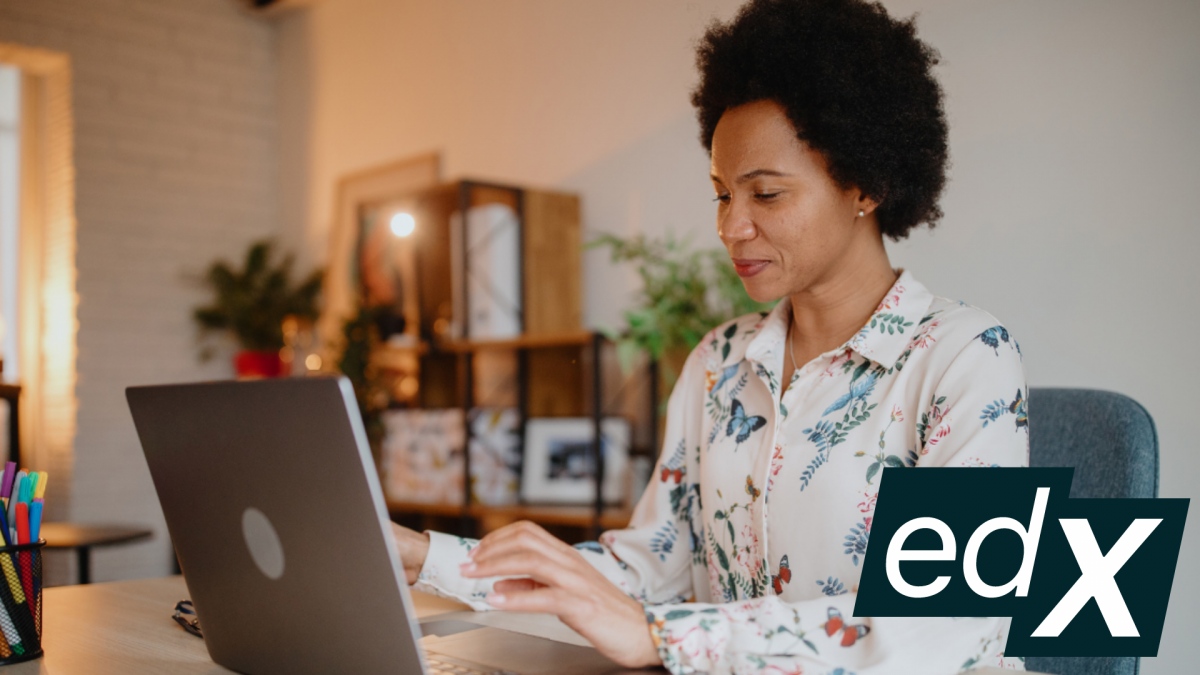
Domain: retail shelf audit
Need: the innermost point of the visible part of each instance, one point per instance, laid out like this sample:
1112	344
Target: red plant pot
259	364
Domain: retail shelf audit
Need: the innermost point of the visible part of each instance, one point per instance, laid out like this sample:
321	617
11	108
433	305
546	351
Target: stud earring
861	214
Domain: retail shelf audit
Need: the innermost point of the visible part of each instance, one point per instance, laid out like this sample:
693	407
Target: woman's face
784	220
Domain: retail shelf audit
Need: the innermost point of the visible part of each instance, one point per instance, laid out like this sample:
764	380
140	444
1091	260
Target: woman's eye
765	196
724	199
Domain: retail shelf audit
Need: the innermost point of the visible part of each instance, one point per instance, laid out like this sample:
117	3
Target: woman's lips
748	268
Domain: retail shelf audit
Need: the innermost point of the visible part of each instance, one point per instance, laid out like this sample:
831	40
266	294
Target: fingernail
495	599
467	567
471	552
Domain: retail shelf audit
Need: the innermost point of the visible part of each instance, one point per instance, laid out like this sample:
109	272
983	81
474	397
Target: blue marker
35	520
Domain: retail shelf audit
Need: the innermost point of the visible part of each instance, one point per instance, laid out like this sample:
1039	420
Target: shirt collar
882	339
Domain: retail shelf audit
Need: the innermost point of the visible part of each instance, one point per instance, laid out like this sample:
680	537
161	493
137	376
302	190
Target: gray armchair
1111	441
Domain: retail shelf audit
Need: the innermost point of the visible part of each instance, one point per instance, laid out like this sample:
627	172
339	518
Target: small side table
83	537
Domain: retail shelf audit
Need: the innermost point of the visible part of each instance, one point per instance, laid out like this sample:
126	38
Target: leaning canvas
495	455
423	456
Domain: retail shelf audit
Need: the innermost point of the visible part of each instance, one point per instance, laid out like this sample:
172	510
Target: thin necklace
791	352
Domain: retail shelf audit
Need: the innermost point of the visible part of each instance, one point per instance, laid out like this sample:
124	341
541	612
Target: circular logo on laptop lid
263	543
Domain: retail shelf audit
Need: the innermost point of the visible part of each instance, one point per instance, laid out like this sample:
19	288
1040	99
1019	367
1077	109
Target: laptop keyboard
439	667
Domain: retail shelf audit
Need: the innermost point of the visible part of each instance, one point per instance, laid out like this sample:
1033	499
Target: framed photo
364	206
558	466
495	455
422	456
387	270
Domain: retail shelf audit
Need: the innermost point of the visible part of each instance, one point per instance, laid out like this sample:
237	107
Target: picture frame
557	466
422	460
495	443
386	267
357	195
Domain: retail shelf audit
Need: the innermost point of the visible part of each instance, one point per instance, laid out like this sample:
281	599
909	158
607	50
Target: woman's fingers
545	600
523	533
524	540
531	564
517	585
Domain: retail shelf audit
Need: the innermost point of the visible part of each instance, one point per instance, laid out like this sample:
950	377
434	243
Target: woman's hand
413	547
562	583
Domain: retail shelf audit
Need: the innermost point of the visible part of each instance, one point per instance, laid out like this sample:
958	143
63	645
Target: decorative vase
252	364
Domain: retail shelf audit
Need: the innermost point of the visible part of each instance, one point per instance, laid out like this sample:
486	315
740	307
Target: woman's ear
865	205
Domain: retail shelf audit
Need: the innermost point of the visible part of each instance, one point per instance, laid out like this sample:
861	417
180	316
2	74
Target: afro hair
854	82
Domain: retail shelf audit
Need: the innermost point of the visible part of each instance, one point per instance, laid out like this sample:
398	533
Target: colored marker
13	498
5	650
12	638
10	474
34	477
26	564
35	520
22	523
12	597
41	485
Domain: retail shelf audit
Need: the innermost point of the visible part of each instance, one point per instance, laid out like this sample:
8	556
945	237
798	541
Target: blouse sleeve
649	560
975	416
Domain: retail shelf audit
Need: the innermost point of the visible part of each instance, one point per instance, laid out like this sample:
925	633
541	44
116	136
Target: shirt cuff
440	575
663	620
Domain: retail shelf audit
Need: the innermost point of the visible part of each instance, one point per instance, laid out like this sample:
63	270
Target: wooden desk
125	628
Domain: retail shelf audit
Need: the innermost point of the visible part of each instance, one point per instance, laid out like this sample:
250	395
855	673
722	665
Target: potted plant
252	303
360	335
685	293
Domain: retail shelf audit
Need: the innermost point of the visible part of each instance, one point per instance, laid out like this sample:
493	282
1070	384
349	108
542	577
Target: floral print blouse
748	545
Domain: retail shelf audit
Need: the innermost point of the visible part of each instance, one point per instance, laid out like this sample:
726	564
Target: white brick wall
176	160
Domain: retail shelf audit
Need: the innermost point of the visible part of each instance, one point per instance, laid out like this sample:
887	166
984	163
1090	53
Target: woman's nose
735	224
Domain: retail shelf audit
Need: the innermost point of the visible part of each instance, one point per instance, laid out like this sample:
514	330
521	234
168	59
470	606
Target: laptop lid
275	509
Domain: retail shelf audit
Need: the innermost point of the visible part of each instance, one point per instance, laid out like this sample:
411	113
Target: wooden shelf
398	358
572	515
533	341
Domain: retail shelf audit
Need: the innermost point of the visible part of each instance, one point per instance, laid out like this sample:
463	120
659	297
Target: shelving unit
475	518
553	369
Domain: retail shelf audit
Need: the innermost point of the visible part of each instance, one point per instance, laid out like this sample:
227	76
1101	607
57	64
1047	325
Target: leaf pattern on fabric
856	541
832	587
998	408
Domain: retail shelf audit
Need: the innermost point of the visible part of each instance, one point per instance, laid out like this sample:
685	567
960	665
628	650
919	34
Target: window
10	215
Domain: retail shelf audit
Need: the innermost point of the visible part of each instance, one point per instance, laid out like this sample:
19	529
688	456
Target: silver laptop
280	526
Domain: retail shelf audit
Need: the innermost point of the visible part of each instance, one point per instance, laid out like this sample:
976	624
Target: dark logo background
966	498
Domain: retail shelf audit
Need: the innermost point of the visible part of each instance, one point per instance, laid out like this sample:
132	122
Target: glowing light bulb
313	362
403	224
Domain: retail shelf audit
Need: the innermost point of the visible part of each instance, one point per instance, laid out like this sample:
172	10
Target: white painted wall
176	164
1068	214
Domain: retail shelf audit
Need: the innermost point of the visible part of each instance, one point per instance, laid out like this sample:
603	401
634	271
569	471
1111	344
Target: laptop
278	519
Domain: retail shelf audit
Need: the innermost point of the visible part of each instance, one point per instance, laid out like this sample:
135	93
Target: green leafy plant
359	337
252	302
685	293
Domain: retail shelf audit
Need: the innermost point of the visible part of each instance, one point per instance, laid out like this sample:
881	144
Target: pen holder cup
21	602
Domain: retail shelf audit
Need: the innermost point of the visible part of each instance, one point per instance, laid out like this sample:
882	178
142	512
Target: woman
826	132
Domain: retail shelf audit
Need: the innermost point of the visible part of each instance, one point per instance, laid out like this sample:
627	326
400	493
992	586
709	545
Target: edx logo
1079	577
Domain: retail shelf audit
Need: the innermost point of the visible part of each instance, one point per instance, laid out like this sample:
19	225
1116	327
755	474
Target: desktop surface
125	628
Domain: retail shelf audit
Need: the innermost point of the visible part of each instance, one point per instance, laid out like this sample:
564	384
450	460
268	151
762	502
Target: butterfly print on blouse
784	576
850	632
726	375
993	336
742	423
998	408
675	467
754	492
